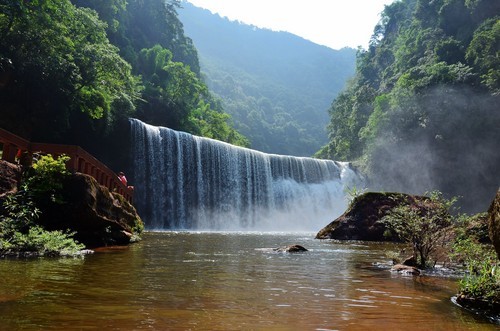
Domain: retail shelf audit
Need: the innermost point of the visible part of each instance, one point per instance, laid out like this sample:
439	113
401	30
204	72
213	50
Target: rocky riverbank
456	240
77	204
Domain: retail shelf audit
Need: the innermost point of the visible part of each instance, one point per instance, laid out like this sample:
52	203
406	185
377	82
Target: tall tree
60	65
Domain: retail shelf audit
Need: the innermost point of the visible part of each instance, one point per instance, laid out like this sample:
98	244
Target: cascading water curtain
188	182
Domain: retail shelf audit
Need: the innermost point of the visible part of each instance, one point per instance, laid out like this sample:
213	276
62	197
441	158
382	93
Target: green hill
277	86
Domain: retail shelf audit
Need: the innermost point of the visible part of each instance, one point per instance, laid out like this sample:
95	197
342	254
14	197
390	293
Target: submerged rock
291	249
494	222
362	219
405	269
479	305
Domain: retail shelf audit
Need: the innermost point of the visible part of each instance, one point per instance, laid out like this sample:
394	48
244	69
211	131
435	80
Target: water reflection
226	281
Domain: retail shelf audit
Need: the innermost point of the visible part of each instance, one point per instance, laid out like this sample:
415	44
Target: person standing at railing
123	179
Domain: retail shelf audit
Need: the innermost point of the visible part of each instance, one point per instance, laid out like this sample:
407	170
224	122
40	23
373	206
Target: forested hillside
70	71
423	111
276	86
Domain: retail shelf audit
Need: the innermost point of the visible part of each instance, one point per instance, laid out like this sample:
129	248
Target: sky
333	23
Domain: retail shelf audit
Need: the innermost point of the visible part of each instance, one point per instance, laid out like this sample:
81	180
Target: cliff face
99	217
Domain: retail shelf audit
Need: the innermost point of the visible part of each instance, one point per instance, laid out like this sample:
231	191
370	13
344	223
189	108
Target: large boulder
99	217
362	219
10	175
494	222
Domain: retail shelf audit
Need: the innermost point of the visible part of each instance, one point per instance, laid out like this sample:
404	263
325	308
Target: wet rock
405	269
410	262
10	175
494	222
99	217
483	307
291	249
362	220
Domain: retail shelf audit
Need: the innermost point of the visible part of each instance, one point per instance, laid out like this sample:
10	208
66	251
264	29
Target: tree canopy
70	70
59	63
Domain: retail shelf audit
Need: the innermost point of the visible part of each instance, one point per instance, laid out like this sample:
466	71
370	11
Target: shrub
45	178
19	231
48	243
422	225
482	280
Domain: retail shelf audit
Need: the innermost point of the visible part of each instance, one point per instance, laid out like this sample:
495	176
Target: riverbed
227	281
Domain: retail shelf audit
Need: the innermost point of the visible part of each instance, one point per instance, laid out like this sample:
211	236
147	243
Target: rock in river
362	219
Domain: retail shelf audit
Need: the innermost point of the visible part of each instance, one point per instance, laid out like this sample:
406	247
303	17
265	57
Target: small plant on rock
45	178
353	192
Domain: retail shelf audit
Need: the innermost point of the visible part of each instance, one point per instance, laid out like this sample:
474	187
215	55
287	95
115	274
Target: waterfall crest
188	182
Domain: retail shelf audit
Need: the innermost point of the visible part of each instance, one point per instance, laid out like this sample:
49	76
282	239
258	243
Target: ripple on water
221	282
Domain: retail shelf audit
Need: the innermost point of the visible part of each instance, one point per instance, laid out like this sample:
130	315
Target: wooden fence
80	160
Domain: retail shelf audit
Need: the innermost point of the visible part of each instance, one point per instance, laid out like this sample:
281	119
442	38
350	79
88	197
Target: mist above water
189	182
450	144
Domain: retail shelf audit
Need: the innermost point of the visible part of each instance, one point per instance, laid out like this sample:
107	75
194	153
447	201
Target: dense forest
276	86
423	111
72	71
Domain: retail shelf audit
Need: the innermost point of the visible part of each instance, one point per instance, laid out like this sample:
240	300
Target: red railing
80	160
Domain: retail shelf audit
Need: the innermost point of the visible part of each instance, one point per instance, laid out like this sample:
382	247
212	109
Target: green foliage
20	233
109	11
72	71
178	99
155	22
45	180
370	132
63	65
20	214
422	225
482	280
353	192
484	53
45	243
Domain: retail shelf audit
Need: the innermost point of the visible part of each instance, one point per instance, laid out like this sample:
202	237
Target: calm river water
226	281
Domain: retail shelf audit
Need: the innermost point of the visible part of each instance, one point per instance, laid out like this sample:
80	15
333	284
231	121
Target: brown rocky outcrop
10	175
494	222
99	217
362	219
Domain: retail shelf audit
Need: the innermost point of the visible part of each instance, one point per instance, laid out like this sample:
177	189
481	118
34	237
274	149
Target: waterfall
188	182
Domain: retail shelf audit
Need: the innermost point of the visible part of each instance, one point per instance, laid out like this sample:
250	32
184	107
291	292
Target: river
227	281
